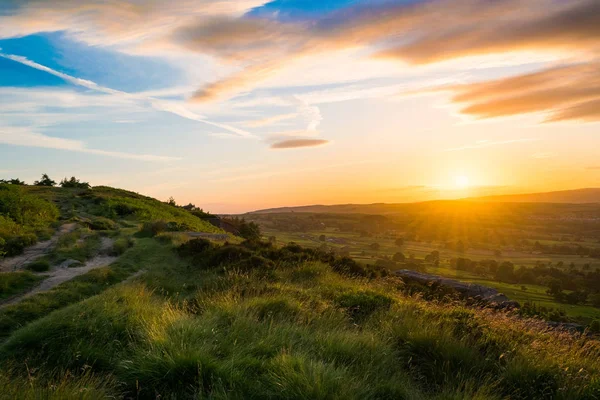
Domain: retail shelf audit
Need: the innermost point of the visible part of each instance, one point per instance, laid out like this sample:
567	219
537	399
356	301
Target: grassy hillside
175	318
248	322
118	205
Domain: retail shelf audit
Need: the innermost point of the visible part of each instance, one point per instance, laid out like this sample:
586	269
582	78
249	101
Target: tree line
47	181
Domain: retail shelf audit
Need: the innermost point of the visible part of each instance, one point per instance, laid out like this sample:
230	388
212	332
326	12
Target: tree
399	242
250	230
322	238
374	246
460	246
14	181
554	286
506	272
399	257
576	297
171	202
433	257
74	183
190	207
45	181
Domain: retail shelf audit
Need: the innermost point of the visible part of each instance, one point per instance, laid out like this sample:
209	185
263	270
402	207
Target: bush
347	266
121	245
154	228
17	244
39	266
74	183
195	247
595	326
256	262
101	224
360	305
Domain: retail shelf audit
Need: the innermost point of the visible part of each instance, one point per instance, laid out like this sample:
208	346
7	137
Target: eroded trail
60	275
36	251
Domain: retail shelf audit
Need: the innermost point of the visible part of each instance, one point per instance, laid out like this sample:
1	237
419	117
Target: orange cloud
419	33
564	93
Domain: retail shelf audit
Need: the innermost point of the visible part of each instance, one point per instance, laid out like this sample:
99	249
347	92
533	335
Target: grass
92	283
38	266
193	328
15	283
253	322
81	245
532	293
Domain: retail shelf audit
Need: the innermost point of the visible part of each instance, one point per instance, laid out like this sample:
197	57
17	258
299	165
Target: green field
358	247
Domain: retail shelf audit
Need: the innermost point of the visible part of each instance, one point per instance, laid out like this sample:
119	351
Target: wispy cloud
485	143
299	143
270	120
17	136
161	105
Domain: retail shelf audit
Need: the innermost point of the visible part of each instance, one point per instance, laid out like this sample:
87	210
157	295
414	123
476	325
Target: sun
461	182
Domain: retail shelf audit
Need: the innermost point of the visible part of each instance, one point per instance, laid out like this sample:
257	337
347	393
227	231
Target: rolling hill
577	196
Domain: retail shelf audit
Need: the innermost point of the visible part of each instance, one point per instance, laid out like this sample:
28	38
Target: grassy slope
13	283
299	331
118	204
357	245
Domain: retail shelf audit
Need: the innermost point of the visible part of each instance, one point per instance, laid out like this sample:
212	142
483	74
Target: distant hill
577	196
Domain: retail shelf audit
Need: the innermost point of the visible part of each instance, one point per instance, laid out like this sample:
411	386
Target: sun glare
461	182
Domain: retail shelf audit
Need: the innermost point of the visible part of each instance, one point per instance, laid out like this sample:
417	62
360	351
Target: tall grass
299	331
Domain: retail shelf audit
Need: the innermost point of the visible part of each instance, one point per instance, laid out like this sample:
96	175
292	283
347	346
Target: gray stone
70	264
474	291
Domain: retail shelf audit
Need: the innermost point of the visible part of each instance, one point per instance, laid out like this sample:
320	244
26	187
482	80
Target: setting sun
461	182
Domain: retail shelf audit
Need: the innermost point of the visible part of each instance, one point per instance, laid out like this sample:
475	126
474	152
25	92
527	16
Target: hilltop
173	316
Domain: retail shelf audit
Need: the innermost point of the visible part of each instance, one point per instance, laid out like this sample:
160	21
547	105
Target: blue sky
247	104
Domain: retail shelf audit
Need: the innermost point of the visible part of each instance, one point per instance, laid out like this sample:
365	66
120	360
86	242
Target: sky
250	104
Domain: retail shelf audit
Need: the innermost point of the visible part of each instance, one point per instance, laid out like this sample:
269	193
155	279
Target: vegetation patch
39	266
22	216
14	283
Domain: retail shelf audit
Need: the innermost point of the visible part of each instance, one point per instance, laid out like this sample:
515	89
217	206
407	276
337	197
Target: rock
479	293
70	264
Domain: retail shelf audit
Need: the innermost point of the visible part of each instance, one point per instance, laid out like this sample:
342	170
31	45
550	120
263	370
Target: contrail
157	104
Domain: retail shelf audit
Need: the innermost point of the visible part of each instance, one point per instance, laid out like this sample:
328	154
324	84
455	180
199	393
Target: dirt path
36	251
60	275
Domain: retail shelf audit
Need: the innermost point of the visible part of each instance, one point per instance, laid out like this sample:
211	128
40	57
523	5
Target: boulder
473	291
70	263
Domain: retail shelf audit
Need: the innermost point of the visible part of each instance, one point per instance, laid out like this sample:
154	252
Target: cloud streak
416	33
299	143
25	137
160	105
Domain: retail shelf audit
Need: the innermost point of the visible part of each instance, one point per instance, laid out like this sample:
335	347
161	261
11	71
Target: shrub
45	181
194	247
121	245
229	254
255	262
595	326
74	183
101	224
360	305
16	245
39	266
347	266
154	228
